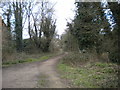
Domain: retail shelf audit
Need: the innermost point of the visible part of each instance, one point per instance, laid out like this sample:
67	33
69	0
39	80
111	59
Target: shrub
76	59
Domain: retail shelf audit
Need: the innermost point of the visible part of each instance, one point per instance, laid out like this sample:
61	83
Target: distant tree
48	31
43	26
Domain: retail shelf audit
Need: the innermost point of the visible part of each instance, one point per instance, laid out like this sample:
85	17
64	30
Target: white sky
64	9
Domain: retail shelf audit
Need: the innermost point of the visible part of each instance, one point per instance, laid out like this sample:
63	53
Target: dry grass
78	59
20	56
24	56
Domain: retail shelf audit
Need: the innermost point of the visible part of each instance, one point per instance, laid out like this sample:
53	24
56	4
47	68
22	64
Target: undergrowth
90	74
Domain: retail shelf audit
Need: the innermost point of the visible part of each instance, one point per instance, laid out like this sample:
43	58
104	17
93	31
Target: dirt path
29	75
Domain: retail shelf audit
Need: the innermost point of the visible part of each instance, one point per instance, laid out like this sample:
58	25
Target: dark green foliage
114	54
48	31
18	12
84	26
93	31
29	46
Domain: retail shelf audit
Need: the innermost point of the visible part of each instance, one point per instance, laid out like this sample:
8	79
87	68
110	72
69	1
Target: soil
30	75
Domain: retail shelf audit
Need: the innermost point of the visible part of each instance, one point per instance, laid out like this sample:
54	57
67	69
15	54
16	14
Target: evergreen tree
87	25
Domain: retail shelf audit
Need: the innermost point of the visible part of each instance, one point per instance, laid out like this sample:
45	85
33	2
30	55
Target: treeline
94	30
35	17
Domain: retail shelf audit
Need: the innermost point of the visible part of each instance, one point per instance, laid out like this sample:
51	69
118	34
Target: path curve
27	75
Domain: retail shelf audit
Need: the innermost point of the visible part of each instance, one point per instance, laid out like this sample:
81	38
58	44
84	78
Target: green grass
91	75
41	58
9	63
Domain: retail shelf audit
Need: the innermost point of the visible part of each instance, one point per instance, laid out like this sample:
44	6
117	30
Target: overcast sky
64	9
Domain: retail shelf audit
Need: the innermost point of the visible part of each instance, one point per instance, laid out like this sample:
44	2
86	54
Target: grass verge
90	75
41	57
